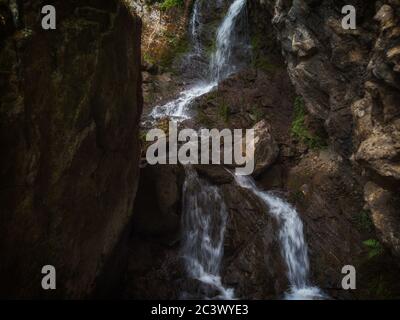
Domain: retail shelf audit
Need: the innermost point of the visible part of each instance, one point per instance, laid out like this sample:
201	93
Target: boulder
266	150
216	174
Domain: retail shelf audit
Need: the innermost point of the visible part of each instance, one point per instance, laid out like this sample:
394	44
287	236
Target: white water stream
204	211
293	246
220	66
203	223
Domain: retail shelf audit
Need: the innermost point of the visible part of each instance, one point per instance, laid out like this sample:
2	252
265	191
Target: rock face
266	149
70	104
349	80
252	264
384	206
156	268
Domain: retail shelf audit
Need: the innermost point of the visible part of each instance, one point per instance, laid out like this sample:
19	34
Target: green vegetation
363	221
260	60
299	129
224	111
204	120
177	46
256	114
148	58
374	246
168	4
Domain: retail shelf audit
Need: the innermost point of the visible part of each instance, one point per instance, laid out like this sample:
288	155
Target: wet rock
251	244
216	174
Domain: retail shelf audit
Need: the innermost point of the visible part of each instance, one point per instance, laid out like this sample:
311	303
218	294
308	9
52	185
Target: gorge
77	191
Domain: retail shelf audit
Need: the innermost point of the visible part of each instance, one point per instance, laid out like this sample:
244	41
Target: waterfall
195	27
293	246
220	63
203	223
204	212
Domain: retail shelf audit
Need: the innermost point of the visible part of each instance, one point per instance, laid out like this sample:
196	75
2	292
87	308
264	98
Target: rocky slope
337	161
70	104
350	81
324	102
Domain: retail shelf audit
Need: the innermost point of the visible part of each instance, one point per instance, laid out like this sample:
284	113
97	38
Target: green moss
177	46
256	114
374	246
363	221
148	58
168	4
259	59
299	129
224	112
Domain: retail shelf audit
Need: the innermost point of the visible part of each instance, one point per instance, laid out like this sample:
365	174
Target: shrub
224	111
299	129
363	221
168	4
177	47
374	246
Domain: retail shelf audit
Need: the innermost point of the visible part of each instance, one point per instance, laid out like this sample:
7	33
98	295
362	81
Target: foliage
177	46
256	113
260	59
224	111
148	58
374	246
363	221
168	4
299	129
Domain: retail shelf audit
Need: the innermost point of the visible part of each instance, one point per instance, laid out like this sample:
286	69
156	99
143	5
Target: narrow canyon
77	191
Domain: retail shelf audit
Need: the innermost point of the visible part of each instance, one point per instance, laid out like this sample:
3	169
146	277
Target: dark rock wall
70	104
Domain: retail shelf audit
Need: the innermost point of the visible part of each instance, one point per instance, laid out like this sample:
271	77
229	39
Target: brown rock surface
349	79
70	103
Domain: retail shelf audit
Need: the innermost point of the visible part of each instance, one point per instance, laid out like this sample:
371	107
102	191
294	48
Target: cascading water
204	222
293	245
195	28
204	211
220	64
